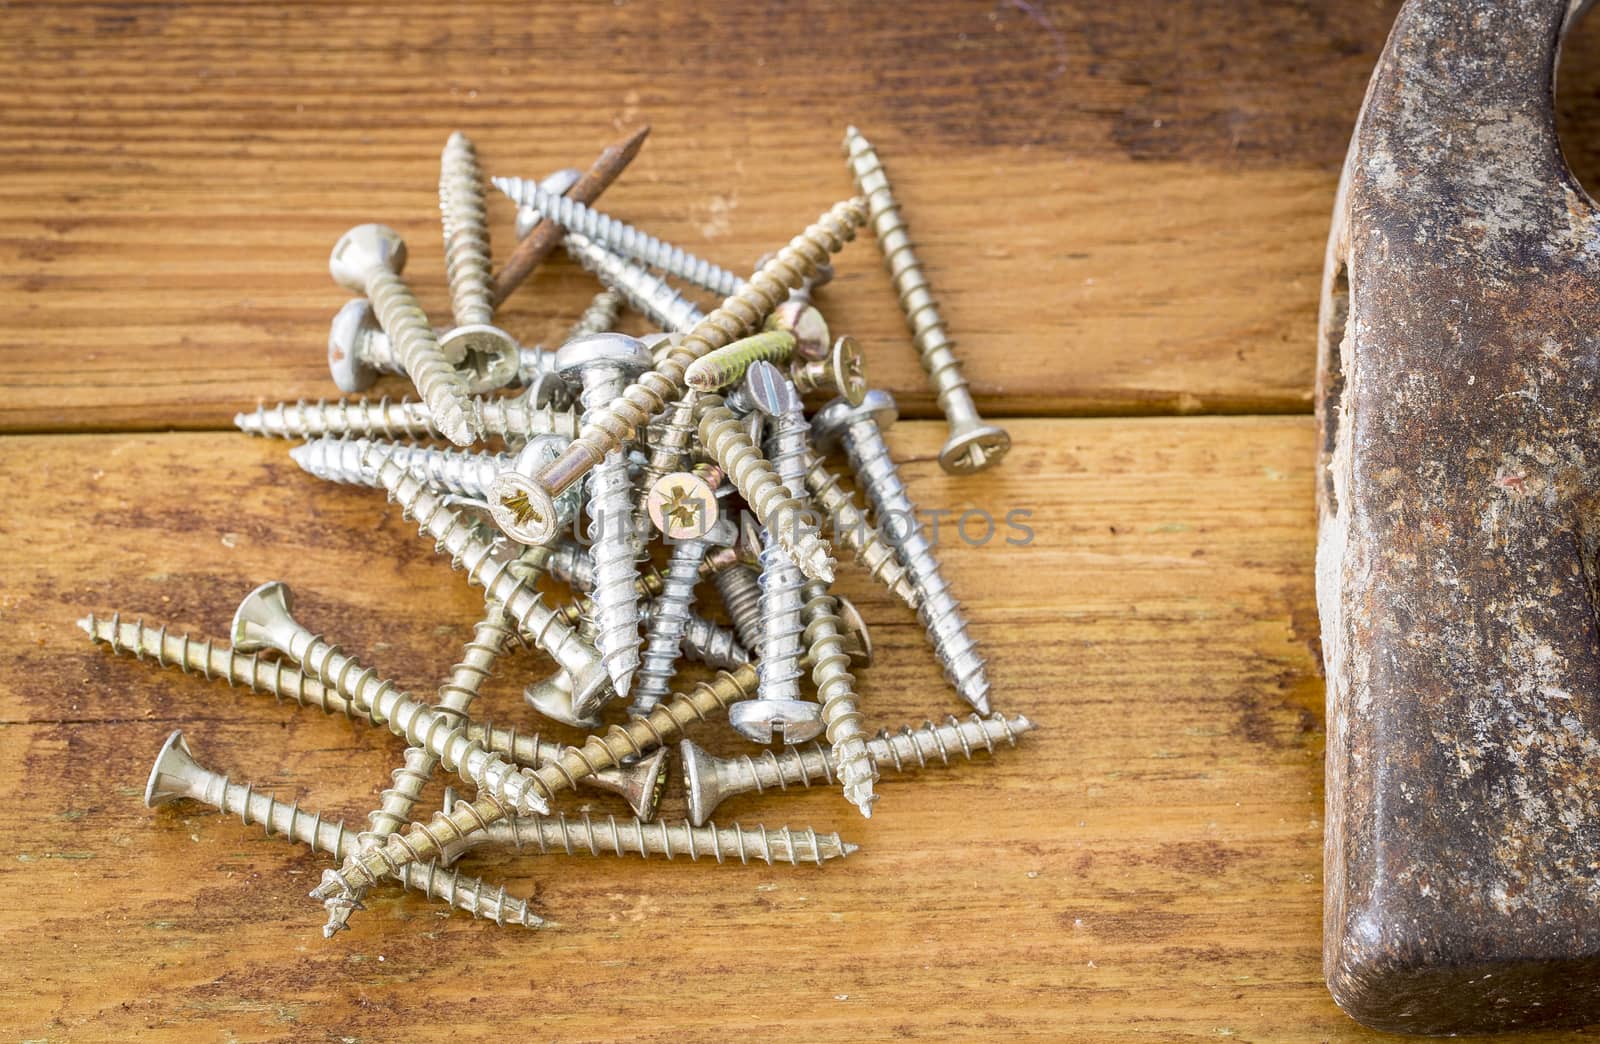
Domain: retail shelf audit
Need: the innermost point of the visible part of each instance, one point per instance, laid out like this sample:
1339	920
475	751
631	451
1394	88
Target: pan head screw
350	372
364	250
799	317
830	422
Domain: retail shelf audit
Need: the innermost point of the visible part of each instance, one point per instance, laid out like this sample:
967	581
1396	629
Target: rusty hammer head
1457	542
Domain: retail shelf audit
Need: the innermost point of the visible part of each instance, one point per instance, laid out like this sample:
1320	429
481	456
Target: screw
683	506
540	240
727	365
860	429
619	237
836	691
800	317
264	620
601	315
636	783
491	566
359	352
516	418
607	430
668	446
669	616
368	259
425	841
177	776
711	644
709	780
843	372
974	444
466	258
852	530
649	293
778	708
555	699
549	835
740	589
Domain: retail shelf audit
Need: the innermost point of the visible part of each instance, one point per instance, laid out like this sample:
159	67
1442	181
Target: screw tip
86	624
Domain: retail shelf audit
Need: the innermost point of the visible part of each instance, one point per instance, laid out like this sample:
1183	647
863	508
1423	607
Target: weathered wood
1121	206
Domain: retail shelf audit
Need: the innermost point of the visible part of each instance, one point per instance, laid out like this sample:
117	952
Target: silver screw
740	588
709	780
359	352
648	293
600	316
974	444
852	531
619	237
669	618
859	429
466	259
515	418
368	259
176	776
264	620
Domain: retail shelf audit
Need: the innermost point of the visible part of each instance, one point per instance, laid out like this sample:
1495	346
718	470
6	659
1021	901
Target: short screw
667	450
176	776
611	426
709	780
368	259
973	444
727	365
359	352
859	428
740	588
466	258
836	691
515	418
669	618
843	372
265	620
619	237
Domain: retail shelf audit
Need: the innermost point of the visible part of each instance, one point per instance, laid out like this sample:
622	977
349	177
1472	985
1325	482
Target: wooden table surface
1122	207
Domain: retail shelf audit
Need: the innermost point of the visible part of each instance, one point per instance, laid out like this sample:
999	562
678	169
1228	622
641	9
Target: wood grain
1145	866
1122	207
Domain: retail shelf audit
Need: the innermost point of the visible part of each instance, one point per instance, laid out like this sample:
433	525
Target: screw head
701	780
682	505
349	324
264	620
972	447
641	783
174	771
553	698
488	351
847	368
522	508
792	721
362	250
858	639
800	317
829	423
627	354
769	390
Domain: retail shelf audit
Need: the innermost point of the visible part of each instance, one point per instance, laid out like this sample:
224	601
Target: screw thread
741	312
611	546
620	236
423	841
649	294
415	345
741	599
509	418
669	621
836	691
466	232
601	315
669	448
938	608
711	644
780	624
852	530
784	516
550	835
490	566
355	462
332	837
727	364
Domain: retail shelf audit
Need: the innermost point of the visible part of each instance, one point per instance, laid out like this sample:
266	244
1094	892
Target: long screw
710	780
264	620
836	691
492	567
466	256
974	444
368	259
637	783
424	841
648	292
176	776
396	802
514	418
619	237
853	532
858	429
647	396
600	316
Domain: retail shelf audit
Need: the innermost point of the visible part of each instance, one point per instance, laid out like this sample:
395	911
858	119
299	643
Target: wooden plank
1146	865
1122	206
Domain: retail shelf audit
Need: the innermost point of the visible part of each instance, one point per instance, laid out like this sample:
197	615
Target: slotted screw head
363	249
769	390
172	778
847	367
683	506
264	620
800	317
350	373
830	421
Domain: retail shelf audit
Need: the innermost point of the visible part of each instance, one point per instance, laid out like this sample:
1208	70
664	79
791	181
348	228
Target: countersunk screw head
174	773
858	639
702	784
263	617
683	506
362	250
830	421
800	317
973	445
349	372
522	509
847	367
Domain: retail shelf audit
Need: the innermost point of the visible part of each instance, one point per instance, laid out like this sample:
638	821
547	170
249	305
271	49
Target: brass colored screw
854	532
368	259
424	841
466	257
836	691
515	418
359	352
176	776
608	428
710	780
843	372
974	444
727	365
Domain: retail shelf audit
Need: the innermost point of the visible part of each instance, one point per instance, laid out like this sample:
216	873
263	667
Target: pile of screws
652	447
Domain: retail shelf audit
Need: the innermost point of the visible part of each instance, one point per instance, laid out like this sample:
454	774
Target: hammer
1458	547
